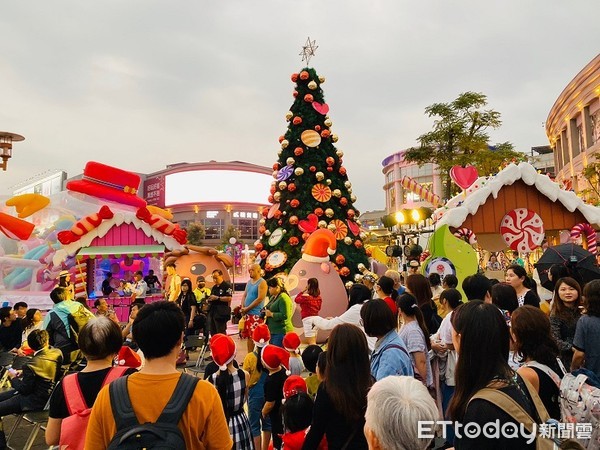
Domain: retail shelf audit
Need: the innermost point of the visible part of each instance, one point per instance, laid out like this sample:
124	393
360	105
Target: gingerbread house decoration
518	208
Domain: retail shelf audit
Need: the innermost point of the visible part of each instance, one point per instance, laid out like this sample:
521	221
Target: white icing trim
454	214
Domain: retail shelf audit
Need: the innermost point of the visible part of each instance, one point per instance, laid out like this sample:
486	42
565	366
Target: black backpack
162	434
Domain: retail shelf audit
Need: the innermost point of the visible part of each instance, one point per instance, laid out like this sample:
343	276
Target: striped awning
120	251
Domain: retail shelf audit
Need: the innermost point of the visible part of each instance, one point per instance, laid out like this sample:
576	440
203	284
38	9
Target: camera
263	314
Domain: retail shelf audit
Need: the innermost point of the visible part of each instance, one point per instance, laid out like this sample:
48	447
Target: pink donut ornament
522	230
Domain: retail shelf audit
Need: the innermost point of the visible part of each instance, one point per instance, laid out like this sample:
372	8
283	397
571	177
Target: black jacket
38	378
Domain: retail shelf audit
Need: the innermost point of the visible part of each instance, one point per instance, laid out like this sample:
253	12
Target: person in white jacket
359	293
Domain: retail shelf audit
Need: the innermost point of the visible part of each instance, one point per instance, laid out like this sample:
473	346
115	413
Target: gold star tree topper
308	50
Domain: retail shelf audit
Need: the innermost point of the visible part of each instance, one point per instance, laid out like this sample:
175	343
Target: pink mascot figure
315	263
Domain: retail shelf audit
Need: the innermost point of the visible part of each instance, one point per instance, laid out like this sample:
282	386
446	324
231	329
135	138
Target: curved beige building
573	126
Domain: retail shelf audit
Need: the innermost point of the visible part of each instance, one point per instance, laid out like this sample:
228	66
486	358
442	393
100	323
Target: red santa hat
128	358
273	356
294	385
291	342
261	335
319	246
222	349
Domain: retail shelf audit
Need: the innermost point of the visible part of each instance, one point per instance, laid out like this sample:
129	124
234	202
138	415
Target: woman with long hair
586	343
419	287
537	349
481	338
342	397
33	321
390	356
564	315
64	281
517	277
279	310
188	303
415	335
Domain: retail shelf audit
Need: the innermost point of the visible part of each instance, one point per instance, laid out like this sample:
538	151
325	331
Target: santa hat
273	356
319	246
261	335
128	358
294	385
222	349
291	342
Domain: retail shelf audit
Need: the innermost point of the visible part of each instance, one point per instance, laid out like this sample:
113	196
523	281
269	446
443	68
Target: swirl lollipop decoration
285	172
522	230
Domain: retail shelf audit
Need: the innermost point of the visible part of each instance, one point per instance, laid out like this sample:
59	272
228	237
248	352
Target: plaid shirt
309	305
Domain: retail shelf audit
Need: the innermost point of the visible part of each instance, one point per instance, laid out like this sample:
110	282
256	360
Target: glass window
595	119
214	228
248	228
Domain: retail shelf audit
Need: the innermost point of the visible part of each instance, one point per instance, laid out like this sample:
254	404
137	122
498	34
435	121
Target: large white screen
204	186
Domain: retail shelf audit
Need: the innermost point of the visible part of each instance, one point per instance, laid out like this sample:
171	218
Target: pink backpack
74	427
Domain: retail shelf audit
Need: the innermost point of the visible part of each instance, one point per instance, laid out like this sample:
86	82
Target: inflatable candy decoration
85	225
27	204
163	225
410	184
522	230
590	236
15	228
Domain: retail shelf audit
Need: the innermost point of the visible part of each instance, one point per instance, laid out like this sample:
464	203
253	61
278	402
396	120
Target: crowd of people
407	350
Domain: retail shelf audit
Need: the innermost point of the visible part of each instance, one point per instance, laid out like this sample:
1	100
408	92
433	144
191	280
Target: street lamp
6	140
233	241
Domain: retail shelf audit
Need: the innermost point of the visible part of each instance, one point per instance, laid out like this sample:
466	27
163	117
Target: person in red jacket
310	304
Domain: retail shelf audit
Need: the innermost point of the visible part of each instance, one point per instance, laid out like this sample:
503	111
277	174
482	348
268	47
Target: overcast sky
142	84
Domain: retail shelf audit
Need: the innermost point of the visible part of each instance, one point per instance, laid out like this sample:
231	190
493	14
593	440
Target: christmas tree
311	189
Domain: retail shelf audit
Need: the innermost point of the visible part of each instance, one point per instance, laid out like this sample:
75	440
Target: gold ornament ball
322	224
328	122
349	190
339	153
312	85
347	240
329	212
289	115
290	161
284	143
299	171
279	152
334	137
353	198
337	193
274	176
282	185
328	181
331	227
321	79
267	233
319	176
277	196
262	221
347	184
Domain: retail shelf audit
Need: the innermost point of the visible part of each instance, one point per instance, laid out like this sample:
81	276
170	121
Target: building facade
573	126
216	194
398	197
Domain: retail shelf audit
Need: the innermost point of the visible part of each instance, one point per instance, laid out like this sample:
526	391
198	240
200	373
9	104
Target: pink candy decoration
590	236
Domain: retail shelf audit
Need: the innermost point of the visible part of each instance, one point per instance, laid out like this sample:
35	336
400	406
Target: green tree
195	233
591	173
459	137
311	189
230	232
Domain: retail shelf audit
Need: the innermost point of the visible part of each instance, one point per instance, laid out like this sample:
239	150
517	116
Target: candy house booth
122	237
520	209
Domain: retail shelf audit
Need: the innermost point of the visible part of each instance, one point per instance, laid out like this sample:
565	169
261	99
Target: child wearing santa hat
231	384
276	360
256	386
297	413
291	342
